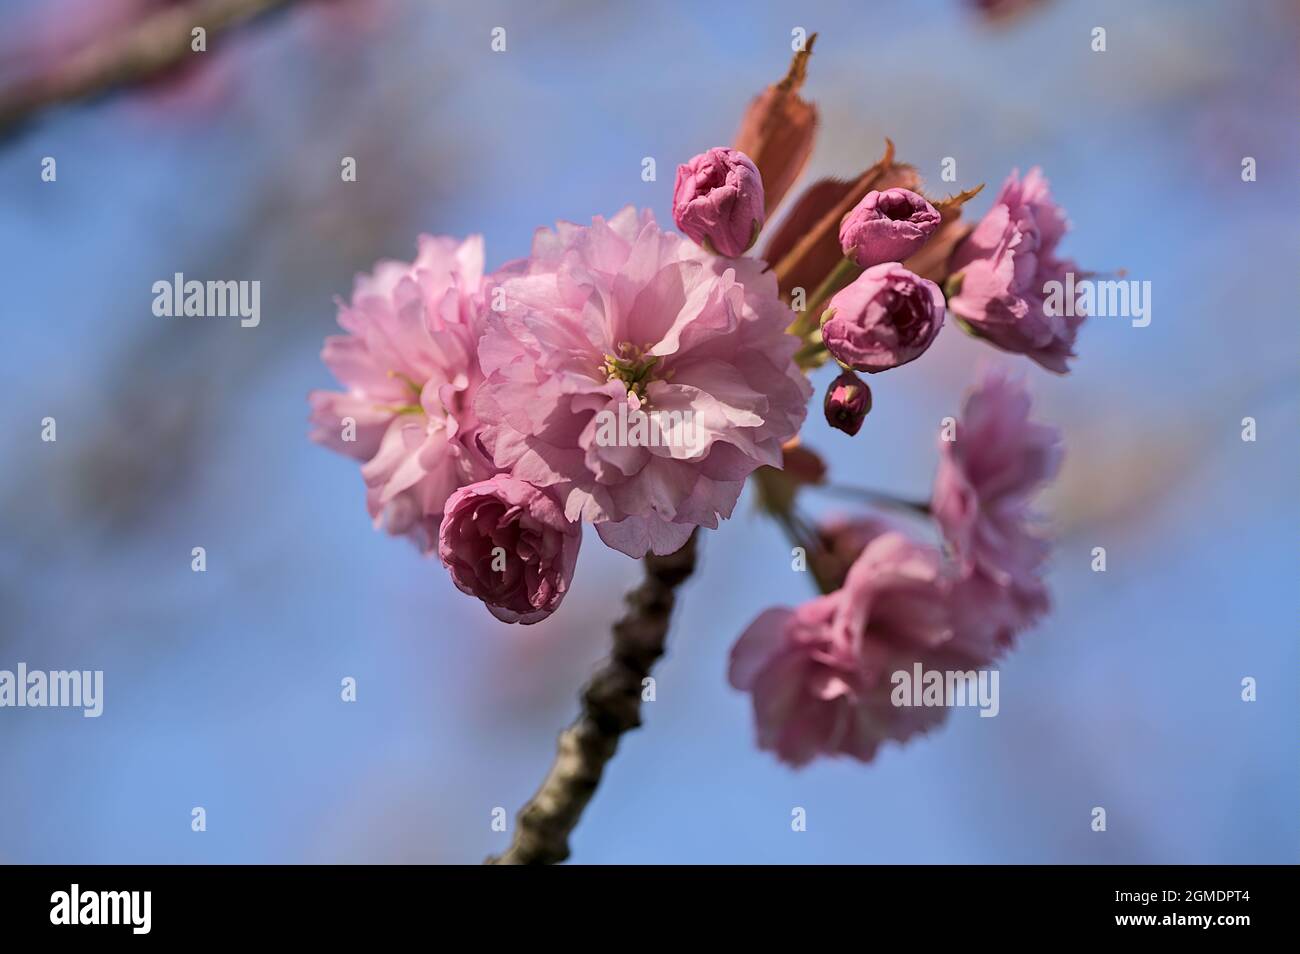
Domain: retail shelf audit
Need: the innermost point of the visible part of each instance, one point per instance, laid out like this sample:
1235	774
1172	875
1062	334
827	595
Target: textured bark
127	56
611	705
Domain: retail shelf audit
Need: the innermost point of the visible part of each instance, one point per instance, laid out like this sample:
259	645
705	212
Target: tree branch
126	56
611	705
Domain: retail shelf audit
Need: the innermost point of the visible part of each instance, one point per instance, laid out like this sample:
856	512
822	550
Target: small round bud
848	401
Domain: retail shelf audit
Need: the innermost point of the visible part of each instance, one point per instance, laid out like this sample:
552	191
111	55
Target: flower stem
841	275
611	705
813	354
799	533
878	497
128	56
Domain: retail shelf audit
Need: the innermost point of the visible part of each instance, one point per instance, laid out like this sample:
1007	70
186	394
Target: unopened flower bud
718	201
887	226
888	316
848	401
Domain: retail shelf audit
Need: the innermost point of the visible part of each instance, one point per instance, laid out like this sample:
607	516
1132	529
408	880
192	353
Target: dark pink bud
848	401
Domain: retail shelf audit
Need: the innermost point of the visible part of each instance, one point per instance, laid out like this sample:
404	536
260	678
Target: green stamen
632	366
409	383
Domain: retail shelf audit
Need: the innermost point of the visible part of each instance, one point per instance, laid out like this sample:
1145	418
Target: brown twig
611	705
127	56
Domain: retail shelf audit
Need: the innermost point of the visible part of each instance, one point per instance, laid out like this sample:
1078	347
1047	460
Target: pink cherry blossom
988	615
840	539
984	616
820	674
408	364
1005	266
987	475
981	501
510	545
621	312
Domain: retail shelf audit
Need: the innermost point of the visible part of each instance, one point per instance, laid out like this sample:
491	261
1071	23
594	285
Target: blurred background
222	689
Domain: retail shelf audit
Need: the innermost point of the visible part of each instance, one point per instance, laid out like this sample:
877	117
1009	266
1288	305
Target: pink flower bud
509	544
848	401
718	201
887	317
887	226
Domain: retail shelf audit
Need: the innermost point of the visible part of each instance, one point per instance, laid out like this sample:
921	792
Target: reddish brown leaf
808	209
932	260
777	130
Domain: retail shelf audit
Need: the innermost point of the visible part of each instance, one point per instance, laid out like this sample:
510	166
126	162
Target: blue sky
222	688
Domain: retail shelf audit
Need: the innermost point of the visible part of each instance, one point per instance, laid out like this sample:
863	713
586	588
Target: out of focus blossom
820	675
1005	268
987	477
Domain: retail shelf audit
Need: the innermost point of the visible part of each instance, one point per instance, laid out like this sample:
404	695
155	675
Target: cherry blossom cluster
477	402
